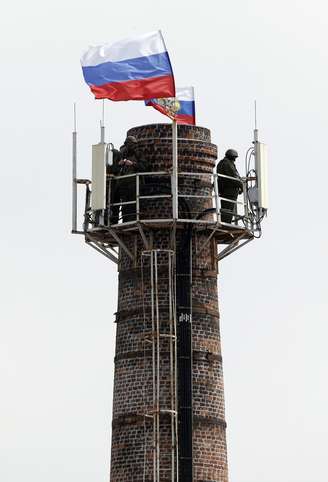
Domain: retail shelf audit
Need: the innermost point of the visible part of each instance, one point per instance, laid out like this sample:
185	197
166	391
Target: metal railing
138	198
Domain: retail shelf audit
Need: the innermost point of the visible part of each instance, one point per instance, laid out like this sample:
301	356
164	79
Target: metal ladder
163	332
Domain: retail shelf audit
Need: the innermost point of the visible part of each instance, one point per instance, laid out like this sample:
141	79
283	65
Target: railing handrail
214	195
135	174
182	173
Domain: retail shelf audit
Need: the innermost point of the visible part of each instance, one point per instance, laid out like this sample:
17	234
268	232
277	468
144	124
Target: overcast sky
58	296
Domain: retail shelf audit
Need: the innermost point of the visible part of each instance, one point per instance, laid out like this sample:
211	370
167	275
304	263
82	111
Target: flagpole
175	169
102	124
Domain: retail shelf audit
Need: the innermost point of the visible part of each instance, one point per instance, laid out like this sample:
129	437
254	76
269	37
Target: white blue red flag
181	107
136	68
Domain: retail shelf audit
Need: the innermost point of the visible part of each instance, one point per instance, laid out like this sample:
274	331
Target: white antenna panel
261	167
110	157
98	196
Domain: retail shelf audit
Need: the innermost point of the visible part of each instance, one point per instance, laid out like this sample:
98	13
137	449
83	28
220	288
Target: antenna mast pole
256	132
74	185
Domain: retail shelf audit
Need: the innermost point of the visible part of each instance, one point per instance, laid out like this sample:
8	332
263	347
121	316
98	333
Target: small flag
136	68
181	107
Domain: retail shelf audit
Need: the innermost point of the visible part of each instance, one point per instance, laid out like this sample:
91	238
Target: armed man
115	196
229	188
127	161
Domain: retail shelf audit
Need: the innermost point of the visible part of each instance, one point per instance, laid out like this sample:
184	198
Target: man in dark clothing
115	197
229	188
127	161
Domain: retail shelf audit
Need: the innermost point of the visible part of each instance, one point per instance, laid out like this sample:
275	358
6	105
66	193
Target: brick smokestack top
131	453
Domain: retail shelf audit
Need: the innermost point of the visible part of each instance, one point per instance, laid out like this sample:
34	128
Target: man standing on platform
115	196
229	188
127	162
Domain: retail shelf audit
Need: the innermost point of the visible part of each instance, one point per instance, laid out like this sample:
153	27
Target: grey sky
58	296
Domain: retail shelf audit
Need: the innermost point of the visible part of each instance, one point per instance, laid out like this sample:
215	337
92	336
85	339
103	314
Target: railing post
245	201
86	208
109	204
137	198
216	192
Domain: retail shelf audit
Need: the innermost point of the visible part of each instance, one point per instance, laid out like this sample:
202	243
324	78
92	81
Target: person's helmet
231	154
130	140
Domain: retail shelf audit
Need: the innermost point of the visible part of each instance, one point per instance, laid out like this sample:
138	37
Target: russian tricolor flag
181	107
136	68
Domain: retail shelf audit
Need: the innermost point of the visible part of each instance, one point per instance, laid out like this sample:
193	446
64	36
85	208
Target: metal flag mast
102	124
175	169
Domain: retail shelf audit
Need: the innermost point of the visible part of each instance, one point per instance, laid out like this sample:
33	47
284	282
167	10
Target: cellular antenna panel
98	197
261	166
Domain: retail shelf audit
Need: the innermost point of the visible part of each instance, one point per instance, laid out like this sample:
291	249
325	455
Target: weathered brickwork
131	456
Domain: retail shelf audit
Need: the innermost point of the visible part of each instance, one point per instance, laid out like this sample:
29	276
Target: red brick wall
133	369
